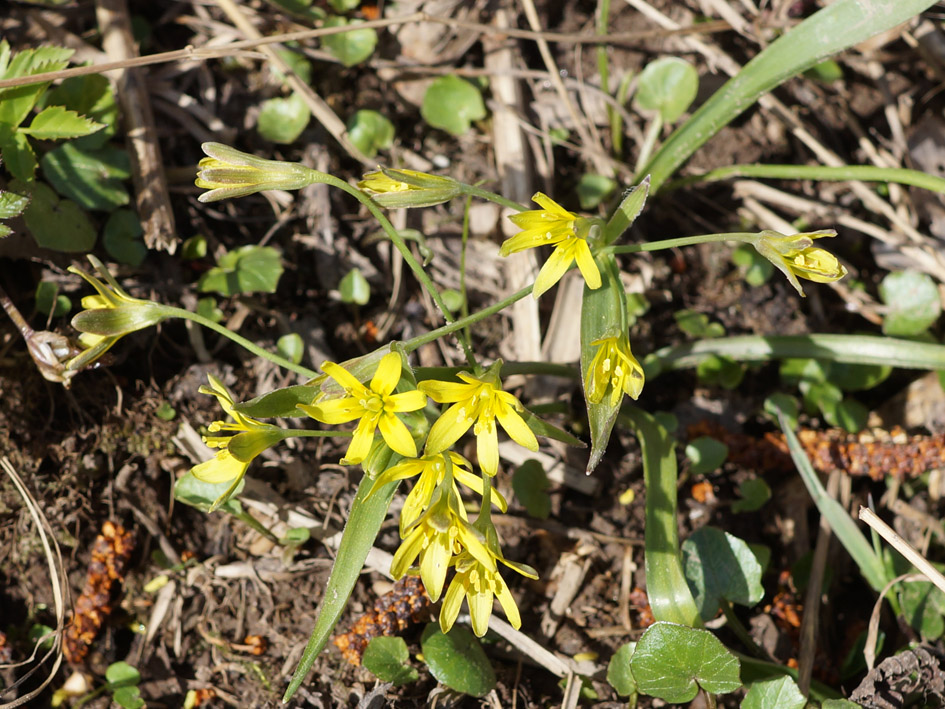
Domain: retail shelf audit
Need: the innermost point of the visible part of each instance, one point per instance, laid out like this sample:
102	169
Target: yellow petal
341	375
508	604
480	610
361	442
406	401
555	267
335	411
445	392
407	552
448	429
586	264
387	374
452	602
219	469
513	423
434	563
396	435
487	449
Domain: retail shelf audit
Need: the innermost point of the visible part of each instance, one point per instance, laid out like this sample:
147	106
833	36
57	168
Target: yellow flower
613	366
432	469
477	402
376	407
795	256
108	316
439	533
408	188
480	585
229	172
553	225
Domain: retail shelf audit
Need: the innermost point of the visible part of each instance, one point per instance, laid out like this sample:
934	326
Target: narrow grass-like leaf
367	514
666	586
840	25
869	562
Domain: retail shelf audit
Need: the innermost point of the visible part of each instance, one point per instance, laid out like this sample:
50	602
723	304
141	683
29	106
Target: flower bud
796	256
228	172
408	188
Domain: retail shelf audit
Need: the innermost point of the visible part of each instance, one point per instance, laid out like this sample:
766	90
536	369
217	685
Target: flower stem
491	197
745	237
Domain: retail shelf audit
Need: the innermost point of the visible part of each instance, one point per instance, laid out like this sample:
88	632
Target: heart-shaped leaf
451	104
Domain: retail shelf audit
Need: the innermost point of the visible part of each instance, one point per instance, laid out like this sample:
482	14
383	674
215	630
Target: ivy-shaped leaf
248	269
719	565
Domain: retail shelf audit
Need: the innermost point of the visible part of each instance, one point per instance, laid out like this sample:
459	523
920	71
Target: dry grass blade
59	590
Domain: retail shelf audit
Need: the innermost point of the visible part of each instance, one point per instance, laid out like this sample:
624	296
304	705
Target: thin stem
240	340
603	68
254	524
741	632
649	142
565	371
745	237
492	197
464	307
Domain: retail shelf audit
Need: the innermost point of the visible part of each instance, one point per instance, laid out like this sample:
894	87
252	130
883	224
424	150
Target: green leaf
540	427
56	224
780	692
786	403
165	412
755	268
627	213
58	123
364	522
619	675
297	62
923	606
207	307
128	698
291	347
839	704
49	301
281	403
248	269
300	8
282	120
194	248
12	204
453	299
370	131
754	492
354	288
857	377
94	179
344	5
457	660
798	369
720	371
671	662
121	238
851	415
451	104
707	454
18	101
913	303
827	72
823	397
17	154
352	47
121	674
697	324
387	658
203	496
530	484
720	566
593	189
668	85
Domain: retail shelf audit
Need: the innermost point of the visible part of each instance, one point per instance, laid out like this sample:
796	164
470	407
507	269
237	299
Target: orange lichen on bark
393	612
110	555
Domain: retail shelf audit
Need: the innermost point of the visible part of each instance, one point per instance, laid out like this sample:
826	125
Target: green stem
735	625
649	142
842	173
419	341
464	308
565	371
603	69
240	340
255	525
746	237
491	197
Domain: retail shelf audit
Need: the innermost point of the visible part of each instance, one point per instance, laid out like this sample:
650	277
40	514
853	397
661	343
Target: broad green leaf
291	347
94	179
754	493
128	698
282	120
720	566
354	288
923	606
457	660
530	485
370	131
248	269
207	307
387	658
58	123
913	303
666	586
593	189
706	454
858	377
696	324
451	104
297	62
755	268
201	495
798	369
823	397
786	404
49	301
91	96
837	26
121	237
121	674
280	403
12	204
667	85
364	522
720	371
60	225
352	47
851	415
781	692
619	675
194	248
17	154
671	662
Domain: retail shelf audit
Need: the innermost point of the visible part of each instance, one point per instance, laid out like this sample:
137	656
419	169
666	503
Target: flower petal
480	610
487	449
452	602
335	411
434	562
408	550
508	603
387	374
406	401
361	443
585	262
514	424
341	375
396	435
448	429
446	392
219	469
555	267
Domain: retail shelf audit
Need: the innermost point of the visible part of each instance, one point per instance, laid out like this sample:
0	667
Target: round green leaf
370	131
618	671
716	370
58	224
755	268
451	104
195	247
707	454
858	377
248	269
671	662
121	238
786	403
93	178
780	692
352	47
668	85
457	660
354	288
796	369
387	658
121	674
754	493
291	347
453	299
594	189
49	301
530	484
282	120
207	307
719	565
913	301
165	412
201	495
851	415
827	72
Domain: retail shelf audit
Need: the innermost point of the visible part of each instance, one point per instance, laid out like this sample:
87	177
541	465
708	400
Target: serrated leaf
780	692
913	301
248	269
17	154
457	660
16	102
352	47
667	85
387	658
719	565
530	484
282	120
619	675
671	662
121	237
280	403
57	224
58	123
93	178
91	96
451	104
12	204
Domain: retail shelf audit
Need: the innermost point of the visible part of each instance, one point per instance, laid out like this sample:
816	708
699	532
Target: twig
903	547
